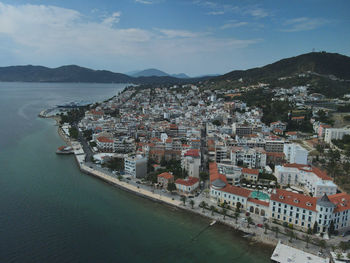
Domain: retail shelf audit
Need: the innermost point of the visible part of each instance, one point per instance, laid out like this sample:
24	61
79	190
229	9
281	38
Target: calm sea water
51	212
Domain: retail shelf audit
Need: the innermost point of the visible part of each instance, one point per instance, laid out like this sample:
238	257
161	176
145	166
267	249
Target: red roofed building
314	180
250	174
187	186
164	179
105	144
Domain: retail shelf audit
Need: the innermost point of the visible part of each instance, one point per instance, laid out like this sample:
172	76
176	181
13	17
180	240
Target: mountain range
321	63
152	72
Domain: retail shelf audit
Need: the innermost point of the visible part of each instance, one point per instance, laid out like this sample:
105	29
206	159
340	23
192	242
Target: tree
331	228
224	212
291	235
307	239
203	204
203	176
192	203
212	209
276	230
171	187
343	246
216	123
183	199
314	229
236	216
322	244
309	231
266	226
120	177
250	221
238	207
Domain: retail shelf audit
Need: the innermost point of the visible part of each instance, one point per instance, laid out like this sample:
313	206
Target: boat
64	150
212	223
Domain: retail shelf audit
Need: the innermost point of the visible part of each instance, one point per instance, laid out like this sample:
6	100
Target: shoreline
252	234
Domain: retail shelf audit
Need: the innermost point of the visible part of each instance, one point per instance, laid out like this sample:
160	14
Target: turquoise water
51	212
259	195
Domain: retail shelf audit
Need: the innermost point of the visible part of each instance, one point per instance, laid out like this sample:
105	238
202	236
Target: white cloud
43	34
234	24
257	12
146	2
303	24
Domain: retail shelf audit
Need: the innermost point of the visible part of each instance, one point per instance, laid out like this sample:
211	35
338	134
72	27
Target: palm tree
224	212
276	230
322	244
250	221
192	203
291	235
307	239
212	209
266	226
236	216
183	199
203	205
343	246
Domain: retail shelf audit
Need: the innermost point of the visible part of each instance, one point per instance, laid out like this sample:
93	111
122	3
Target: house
135	166
295	153
278	125
187	186
250	174
164	179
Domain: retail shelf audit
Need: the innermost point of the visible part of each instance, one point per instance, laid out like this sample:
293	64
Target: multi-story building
104	144
187	186
274	146
241	129
315	181
164	179
299	210
278	125
294	153
335	134
136	166
252	157
233	173
191	161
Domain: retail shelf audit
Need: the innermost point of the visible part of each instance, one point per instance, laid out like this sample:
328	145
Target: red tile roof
250	171
298	118
310	169
188	181
104	140
294	199
341	200
257	201
236	190
166	175
214	174
192	152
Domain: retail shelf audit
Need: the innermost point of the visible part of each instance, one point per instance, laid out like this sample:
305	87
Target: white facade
252	157
335	134
312	179
295	153
135	166
191	165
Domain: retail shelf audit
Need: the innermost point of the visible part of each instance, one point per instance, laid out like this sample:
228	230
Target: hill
73	73
317	62
152	72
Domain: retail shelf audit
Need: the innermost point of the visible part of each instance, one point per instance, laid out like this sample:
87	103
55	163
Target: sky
195	37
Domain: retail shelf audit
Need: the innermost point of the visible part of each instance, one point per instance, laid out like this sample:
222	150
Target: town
279	169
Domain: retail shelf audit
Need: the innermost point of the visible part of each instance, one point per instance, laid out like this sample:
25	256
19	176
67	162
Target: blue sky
191	36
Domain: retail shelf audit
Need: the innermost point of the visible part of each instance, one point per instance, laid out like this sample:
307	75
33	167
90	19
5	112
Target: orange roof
294	199
188	181
341	200
250	171
236	190
214	174
275	154
192	152
169	140
298	118
166	175
104	140
310	169
292	133
257	201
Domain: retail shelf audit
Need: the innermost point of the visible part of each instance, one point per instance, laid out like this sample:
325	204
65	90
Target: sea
51	212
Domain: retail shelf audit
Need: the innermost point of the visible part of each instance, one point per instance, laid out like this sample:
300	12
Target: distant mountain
180	76
73	73
317	62
152	72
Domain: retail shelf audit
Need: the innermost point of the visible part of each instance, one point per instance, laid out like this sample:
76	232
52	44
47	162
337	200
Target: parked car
138	182
259	225
128	178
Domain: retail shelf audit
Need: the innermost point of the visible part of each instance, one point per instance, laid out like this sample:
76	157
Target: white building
252	157
136	166
187	186
335	134
311	178
299	210
295	153
191	161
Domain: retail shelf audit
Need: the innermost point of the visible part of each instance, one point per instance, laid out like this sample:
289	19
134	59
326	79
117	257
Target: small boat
64	150
212	223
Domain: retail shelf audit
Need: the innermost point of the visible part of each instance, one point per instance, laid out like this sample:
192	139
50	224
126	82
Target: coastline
79	157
